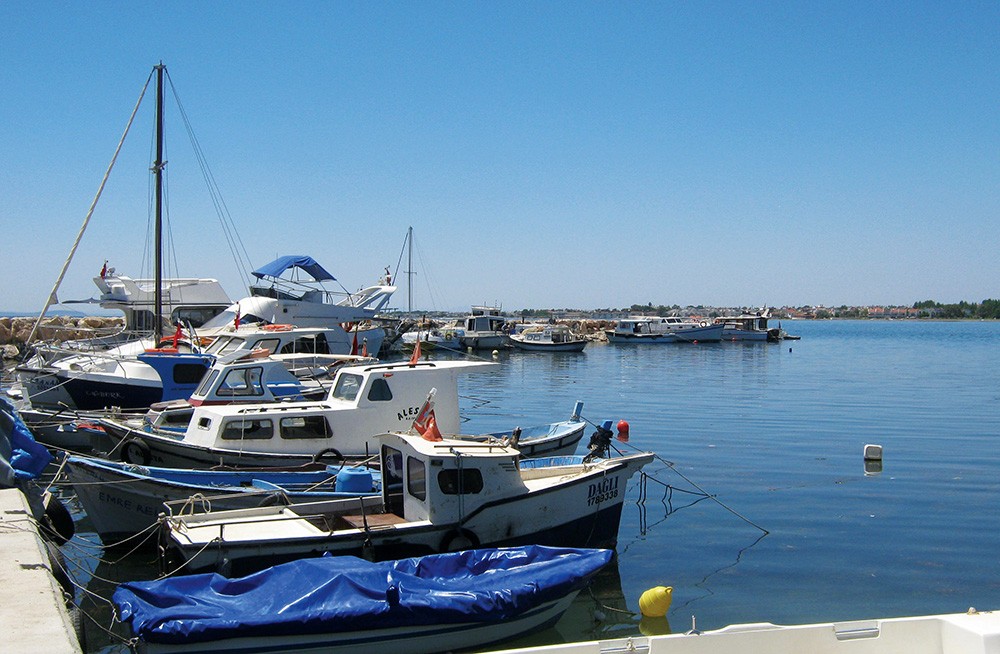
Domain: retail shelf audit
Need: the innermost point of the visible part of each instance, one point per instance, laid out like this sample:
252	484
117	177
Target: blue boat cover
21	456
281	264
333	594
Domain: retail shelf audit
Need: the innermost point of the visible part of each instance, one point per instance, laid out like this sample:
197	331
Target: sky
546	154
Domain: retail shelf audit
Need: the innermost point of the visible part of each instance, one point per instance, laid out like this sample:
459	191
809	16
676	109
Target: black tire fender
57	522
135	451
328	454
459	539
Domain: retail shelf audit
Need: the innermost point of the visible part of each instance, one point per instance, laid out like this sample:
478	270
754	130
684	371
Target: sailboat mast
409	271
158	247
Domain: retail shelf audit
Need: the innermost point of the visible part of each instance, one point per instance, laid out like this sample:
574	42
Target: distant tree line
985	310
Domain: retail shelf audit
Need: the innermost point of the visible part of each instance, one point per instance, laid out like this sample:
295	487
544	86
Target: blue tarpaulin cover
281	264
21	456
344	593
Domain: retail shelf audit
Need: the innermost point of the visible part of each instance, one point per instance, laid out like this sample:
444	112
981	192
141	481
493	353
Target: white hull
960	633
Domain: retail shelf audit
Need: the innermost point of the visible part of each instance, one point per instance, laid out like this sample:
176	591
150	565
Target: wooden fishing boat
437	496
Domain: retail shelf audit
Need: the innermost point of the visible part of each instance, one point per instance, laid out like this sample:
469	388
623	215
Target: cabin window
231	345
347	387
206	382
465	482
243	382
188	373
305	427
416	478
270	344
204	423
379	392
307	345
247	429
196	317
177	418
392	479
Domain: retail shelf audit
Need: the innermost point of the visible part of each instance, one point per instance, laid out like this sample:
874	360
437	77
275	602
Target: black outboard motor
599	446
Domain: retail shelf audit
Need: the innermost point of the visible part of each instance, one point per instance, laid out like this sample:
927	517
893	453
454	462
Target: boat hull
170	450
124	500
400	640
703	334
574	346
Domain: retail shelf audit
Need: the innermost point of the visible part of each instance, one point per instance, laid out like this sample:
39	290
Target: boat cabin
362	402
444	481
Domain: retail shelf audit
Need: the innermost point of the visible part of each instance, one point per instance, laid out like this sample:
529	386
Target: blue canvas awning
281	264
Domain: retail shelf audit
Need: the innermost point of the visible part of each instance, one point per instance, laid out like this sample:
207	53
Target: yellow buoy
655	602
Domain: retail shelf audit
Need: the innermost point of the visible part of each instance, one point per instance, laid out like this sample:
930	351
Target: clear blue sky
547	154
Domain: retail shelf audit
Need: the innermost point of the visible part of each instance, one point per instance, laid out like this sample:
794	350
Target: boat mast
409	271
158	247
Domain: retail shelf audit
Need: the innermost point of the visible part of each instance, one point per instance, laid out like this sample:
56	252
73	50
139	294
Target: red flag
236	323
416	352
177	335
104	269
425	423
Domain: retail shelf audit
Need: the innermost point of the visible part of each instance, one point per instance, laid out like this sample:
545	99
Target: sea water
795	530
759	506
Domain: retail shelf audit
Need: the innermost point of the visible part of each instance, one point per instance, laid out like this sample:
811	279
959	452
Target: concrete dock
33	615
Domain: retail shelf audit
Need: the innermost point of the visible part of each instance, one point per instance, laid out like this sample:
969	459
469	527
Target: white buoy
873	452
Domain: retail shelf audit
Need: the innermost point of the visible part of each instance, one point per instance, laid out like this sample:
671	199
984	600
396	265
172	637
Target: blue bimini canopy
334	594
281	264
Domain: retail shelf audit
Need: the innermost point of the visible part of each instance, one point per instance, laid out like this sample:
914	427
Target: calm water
775	433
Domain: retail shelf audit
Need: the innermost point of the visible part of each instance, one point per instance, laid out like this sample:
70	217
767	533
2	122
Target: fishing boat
484	329
658	329
548	338
123	500
972	632
346	604
362	402
446	338
437	496
749	327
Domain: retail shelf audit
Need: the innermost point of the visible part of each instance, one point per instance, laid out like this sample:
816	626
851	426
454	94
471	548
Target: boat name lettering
602	491
126	504
408	413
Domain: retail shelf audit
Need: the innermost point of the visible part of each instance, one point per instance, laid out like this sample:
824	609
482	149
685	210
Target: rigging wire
237	249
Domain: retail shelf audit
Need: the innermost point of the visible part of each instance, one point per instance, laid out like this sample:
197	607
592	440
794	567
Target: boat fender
459	539
135	451
655	602
57	523
328	454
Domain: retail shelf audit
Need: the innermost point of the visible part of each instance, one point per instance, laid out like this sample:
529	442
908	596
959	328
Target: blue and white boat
123	499
659	329
437	496
346	604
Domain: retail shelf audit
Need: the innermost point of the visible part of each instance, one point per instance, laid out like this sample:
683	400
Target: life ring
704	323
277	328
328	453
459	539
135	450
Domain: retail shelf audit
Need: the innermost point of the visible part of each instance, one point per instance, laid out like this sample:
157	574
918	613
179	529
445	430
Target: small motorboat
548	338
437	496
123	500
658	329
363	401
347	604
